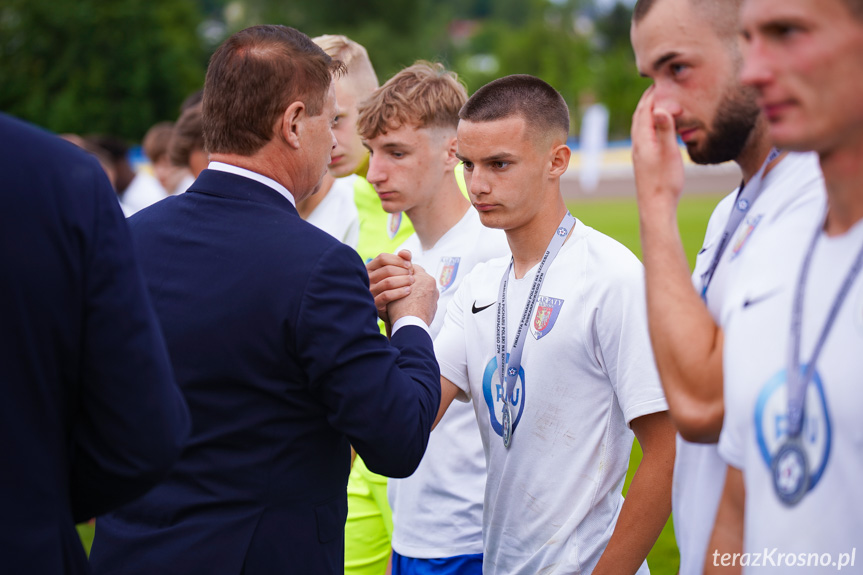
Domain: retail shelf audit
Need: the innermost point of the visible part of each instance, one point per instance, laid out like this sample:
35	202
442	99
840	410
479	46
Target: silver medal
506	417
790	473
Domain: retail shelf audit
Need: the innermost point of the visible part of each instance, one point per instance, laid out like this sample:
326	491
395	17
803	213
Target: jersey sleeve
621	342
451	343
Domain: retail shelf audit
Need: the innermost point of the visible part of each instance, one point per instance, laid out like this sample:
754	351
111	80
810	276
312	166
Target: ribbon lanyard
790	465
798	383
745	199
508	372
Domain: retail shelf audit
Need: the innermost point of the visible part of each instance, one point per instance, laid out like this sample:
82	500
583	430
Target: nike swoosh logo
475	309
758	299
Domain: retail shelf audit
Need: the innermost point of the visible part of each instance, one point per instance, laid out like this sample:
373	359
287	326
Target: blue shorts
458	565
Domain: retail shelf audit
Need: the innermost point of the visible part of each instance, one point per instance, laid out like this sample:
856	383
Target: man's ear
560	155
291	125
452	147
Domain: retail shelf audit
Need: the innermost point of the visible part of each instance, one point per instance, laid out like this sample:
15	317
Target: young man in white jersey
553	499
689	48
409	126
792	434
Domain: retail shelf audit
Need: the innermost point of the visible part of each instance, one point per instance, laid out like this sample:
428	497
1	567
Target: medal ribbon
509	372
745	199
798	383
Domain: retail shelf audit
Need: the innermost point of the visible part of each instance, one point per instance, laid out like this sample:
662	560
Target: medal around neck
790	466
509	371
506	417
791	472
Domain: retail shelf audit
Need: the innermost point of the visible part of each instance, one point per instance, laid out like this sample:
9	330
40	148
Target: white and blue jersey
828	520
793	186
552	498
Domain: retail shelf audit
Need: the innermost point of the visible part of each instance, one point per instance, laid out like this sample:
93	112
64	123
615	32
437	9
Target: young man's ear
451	159
291	124
559	163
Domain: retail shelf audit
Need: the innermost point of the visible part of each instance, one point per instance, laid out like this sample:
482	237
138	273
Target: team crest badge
393	224
796	466
448	270
743	235
547	310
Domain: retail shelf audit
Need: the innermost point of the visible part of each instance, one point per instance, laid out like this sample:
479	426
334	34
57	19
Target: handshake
401	289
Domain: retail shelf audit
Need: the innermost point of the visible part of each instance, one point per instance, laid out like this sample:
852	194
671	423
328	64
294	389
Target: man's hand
390	278
420	301
655	156
687	343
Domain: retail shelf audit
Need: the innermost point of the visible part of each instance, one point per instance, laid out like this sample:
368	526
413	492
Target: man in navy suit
272	333
90	415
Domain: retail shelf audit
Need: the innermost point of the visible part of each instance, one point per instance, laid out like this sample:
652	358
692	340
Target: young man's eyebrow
493	158
662	60
499	157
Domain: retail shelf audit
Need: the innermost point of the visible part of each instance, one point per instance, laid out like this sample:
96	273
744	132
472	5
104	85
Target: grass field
618	218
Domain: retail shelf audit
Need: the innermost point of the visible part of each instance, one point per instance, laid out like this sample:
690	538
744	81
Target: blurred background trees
119	66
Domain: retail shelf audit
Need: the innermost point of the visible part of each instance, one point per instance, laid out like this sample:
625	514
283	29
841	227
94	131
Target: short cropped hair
252	79
188	136
541	106
156	140
358	66
723	16
424	95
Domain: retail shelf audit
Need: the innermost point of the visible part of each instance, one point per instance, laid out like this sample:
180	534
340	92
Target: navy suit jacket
90	415
272	333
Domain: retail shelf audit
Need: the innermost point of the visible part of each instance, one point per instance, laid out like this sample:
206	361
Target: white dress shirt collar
231	169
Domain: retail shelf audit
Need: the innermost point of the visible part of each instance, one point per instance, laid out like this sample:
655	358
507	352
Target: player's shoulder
798	188
720	214
602	252
486	274
412	244
799	169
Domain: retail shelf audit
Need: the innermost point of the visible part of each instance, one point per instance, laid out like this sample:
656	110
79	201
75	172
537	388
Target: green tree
98	67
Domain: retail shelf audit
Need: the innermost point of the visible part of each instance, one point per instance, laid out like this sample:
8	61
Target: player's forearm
687	343
727	539
644	514
648	502
448	392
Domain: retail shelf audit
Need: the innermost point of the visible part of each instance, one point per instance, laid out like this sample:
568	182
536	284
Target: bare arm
448	392
727	536
648	502
687	343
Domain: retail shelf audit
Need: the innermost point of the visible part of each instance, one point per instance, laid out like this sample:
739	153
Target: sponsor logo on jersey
493	390
771	424
394	222
743	233
448	268
547	310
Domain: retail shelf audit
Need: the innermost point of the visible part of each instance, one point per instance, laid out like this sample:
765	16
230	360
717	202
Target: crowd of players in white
543	471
